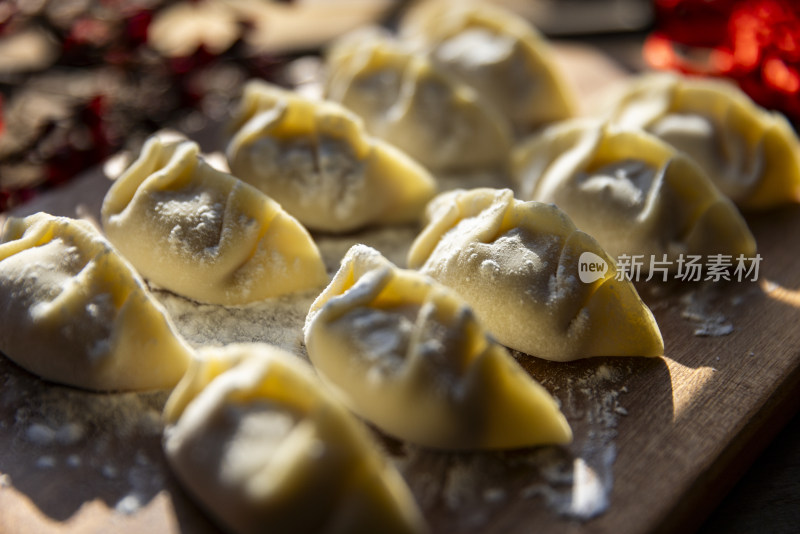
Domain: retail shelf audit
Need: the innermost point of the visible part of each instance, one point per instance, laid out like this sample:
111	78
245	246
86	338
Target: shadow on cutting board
64	447
507	491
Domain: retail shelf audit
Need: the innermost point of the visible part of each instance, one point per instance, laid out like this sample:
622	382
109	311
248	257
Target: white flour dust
700	309
574	482
579	486
104	439
393	243
470	489
277	321
114	439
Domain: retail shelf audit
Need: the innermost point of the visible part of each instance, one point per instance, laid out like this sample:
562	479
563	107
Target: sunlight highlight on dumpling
203	234
517	264
408	354
75	312
407	100
632	192
496	52
752	155
254	436
316	159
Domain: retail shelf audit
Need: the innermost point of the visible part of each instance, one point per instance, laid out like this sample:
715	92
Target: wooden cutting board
657	441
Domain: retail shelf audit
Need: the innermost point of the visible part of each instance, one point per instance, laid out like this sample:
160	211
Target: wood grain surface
767	498
657	441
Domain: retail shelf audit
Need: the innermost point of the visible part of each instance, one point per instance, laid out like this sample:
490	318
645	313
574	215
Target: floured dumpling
408	355
75	312
254	436
498	53
203	234
634	193
316	159
406	100
752	155
518	264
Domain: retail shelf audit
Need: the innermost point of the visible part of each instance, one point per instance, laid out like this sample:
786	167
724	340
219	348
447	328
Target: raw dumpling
254	436
751	154
634	193
518	265
496	52
406	100
316	159
408	355
203	234
75	312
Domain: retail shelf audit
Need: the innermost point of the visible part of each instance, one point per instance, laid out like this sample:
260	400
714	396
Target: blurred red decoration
137	26
754	42
70	159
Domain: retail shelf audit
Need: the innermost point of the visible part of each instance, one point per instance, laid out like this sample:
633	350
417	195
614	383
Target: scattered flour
580	485
494	495
45	462
590	493
111	438
393	243
462	482
276	321
129	504
40	434
468	489
97	437
70	433
699	309
82	430
110	472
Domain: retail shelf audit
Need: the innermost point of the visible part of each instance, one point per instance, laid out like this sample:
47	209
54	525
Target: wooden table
658	441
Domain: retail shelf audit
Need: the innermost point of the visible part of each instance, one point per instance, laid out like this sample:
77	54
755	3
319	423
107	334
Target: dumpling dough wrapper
751	154
496	52
319	162
411	102
77	313
634	193
255	437
408	355
205	235
518	264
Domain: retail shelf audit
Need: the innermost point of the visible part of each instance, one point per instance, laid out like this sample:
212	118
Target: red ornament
754	42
